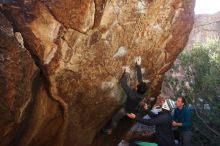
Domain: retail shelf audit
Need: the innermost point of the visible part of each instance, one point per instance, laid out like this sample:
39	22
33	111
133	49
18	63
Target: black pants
117	117
185	138
112	124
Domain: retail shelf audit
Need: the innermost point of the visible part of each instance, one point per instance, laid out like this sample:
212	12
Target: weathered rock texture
17	71
79	47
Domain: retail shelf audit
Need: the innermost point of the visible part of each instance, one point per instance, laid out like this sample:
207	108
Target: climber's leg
114	121
117	117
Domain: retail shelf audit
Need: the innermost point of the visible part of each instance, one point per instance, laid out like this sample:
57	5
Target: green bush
201	66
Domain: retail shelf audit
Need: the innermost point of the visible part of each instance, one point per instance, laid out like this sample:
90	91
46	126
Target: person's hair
183	100
142	87
166	110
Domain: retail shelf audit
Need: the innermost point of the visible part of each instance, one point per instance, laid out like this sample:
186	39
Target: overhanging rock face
80	48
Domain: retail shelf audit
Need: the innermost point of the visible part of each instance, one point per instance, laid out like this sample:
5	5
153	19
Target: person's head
159	100
180	102
168	105
142	88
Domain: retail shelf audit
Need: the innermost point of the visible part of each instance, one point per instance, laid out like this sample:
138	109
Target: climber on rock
134	96
162	121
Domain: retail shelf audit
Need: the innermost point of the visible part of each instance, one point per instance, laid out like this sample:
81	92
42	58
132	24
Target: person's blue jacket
183	116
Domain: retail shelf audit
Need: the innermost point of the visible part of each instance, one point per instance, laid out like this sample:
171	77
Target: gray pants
185	138
117	117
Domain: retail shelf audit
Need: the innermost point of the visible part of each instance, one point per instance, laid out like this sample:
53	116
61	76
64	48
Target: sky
207	6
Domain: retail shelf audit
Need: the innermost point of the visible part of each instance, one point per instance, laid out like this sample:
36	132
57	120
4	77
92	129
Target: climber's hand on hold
138	60
131	115
126	69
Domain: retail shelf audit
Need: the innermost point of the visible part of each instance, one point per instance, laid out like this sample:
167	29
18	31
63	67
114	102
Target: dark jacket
163	123
133	98
183	116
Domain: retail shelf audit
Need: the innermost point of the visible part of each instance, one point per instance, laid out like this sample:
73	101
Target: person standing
182	119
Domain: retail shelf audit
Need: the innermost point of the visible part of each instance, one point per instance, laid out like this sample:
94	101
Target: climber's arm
129	92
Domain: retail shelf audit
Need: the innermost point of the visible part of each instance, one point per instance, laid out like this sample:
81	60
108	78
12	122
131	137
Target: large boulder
17	74
80	48
25	105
